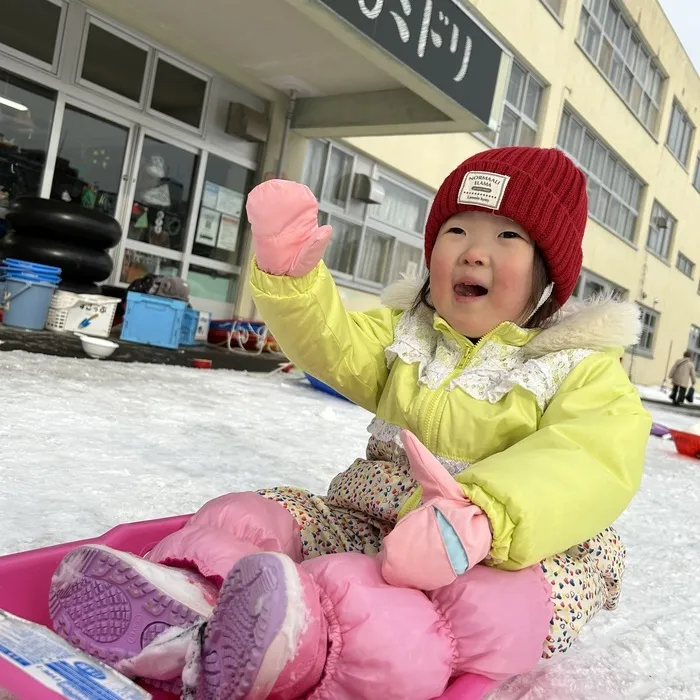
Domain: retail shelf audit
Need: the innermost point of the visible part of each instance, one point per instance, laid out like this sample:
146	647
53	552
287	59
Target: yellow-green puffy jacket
542	429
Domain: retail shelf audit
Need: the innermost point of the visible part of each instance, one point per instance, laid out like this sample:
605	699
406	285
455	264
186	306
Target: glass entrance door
157	216
91	161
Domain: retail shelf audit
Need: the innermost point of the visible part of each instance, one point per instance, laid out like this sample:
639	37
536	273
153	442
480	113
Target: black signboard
435	38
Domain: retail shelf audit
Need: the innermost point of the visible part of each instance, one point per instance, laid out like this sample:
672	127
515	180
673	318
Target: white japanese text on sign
436	27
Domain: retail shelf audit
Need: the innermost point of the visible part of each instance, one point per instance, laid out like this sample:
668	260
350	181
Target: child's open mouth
470	290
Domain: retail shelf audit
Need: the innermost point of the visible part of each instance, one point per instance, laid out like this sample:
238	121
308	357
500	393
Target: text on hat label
483	189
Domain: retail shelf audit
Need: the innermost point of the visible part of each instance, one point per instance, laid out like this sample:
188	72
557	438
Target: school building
180	108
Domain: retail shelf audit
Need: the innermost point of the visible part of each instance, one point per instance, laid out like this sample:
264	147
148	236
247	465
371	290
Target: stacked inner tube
62	234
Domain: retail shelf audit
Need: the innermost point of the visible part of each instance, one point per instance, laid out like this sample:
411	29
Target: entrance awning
449	73
358	67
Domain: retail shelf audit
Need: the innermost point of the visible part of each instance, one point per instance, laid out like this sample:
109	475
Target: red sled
687	444
25	579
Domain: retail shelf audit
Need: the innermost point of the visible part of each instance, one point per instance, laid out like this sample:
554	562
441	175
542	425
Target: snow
653	393
85	445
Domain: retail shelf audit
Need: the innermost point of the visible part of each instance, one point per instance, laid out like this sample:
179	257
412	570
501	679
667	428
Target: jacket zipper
440	397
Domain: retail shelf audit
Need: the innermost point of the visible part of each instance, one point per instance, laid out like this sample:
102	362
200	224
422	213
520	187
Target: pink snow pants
385	642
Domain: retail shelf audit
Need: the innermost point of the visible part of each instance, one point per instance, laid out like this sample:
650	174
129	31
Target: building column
292	169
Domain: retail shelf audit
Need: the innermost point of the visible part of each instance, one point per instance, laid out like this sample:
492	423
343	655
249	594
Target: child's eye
509	234
455	229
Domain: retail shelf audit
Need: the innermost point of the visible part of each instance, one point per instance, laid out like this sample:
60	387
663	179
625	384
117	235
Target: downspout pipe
291	105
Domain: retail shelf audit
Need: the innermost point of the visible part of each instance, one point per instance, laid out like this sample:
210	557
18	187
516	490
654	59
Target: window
375	261
226	185
31	27
26	116
114	63
614	191
661	229
650	324
685	265
590	285
212	284
618	50
314	166
680	134
341	254
90	161
372	244
179	94
337	181
400	208
556	6
521	110
696	178
161	206
407	261
137	265
694	346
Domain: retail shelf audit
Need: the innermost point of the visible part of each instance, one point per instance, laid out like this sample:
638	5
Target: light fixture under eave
14	105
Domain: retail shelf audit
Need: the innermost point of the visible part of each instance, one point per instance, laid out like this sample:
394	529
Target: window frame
610	288
600	149
361	215
323	200
649	330
92	18
696	175
379	223
668	239
694	348
627	57
207	78
557	14
688	268
491	137
58	48
678	109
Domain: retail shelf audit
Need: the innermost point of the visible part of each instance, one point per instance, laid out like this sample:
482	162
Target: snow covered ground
654	393
85	445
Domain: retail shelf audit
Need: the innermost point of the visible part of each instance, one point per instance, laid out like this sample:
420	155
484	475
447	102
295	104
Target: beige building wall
548	47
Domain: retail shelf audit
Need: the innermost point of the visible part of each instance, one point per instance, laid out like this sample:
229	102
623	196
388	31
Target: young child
474	538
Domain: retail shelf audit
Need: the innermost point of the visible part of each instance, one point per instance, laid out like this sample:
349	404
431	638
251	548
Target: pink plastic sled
25	580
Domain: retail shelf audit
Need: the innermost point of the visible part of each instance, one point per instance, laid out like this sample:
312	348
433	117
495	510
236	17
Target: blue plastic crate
190	321
152	320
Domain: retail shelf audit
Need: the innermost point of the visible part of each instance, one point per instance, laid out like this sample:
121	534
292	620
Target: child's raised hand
286	236
445	537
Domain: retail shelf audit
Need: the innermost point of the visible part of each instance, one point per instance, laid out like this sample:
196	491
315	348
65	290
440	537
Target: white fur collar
598	323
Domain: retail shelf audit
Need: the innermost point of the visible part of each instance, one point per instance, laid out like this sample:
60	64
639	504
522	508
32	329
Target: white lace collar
496	364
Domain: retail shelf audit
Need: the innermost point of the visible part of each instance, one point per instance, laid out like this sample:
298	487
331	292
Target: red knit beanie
539	188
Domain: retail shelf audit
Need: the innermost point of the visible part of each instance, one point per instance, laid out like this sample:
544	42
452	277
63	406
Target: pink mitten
286	236
445	537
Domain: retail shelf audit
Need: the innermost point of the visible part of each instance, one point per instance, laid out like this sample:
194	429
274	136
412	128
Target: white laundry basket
91	314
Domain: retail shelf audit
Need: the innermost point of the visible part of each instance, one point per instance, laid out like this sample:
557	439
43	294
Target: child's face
481	272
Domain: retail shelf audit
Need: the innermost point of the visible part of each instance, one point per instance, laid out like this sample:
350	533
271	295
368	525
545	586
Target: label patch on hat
483	189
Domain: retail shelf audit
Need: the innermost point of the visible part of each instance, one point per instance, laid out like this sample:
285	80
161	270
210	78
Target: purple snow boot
112	605
267	636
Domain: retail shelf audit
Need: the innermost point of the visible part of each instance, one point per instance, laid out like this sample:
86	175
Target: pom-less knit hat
539	188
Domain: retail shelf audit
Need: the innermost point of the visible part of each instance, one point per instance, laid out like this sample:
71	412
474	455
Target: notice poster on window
228	233
210	196
230	202
208	227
